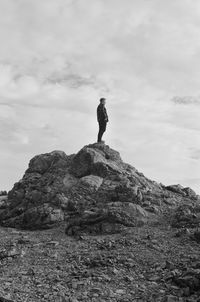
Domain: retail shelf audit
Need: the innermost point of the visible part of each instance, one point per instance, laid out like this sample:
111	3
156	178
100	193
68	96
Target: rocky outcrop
187	192
189	280
114	218
3	193
186	216
3	202
93	191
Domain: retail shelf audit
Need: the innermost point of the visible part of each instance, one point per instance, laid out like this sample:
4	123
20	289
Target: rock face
93	191
3	193
186	216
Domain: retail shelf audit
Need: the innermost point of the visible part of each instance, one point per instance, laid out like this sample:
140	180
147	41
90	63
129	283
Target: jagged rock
2	299
110	220
171	298
127	193
152	209
32	201
186	216
197	235
189	279
62	201
170	201
190	193
3	202
92	181
182	231
176	189
96	160
3	193
40	164
69	181
187	192
57	187
35	218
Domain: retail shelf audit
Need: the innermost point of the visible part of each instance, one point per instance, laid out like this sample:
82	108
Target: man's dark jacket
102	116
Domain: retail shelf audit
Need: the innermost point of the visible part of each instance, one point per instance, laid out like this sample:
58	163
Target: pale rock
92	181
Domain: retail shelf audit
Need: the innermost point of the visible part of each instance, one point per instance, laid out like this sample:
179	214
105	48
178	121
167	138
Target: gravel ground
142	264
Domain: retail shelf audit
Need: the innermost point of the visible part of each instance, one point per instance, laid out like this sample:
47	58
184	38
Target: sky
57	58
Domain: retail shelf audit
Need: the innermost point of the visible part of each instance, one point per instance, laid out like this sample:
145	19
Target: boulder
3	193
32	201
190	193
69	181
92	181
41	163
97	161
189	279
112	219
125	192
182	191
3	202
41	217
186	215
197	235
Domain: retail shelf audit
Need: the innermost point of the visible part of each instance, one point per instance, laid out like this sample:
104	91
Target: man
102	118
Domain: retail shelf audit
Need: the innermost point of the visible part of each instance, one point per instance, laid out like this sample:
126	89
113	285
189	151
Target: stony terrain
89	227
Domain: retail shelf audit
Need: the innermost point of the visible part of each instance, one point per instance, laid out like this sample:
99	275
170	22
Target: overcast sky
58	57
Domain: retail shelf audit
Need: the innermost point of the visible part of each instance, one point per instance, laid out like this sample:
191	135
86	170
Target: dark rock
9	252
91	181
35	218
197	235
112	219
188	281
190	193
176	189
5	300
3	193
3	202
97	160
182	191
181	232
94	187
152	209
127	193
40	164
186	216
171	298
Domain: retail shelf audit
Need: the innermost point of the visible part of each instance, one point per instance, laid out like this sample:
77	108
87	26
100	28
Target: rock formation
3	193
92	191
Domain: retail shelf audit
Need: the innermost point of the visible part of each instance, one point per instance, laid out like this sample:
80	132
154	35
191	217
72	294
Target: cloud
195	154
62	56
186	100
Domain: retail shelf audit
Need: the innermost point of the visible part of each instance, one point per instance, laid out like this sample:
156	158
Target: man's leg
102	129
100	133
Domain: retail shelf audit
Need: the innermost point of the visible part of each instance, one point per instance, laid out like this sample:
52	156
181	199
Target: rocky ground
149	263
89	227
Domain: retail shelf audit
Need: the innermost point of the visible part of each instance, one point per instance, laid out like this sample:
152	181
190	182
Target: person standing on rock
102	118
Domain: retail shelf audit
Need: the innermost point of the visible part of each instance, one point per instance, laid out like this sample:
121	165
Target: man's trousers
102	129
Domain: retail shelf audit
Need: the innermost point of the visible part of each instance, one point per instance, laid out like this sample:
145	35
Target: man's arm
105	115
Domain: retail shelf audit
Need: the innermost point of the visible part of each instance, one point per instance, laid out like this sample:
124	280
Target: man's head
102	101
